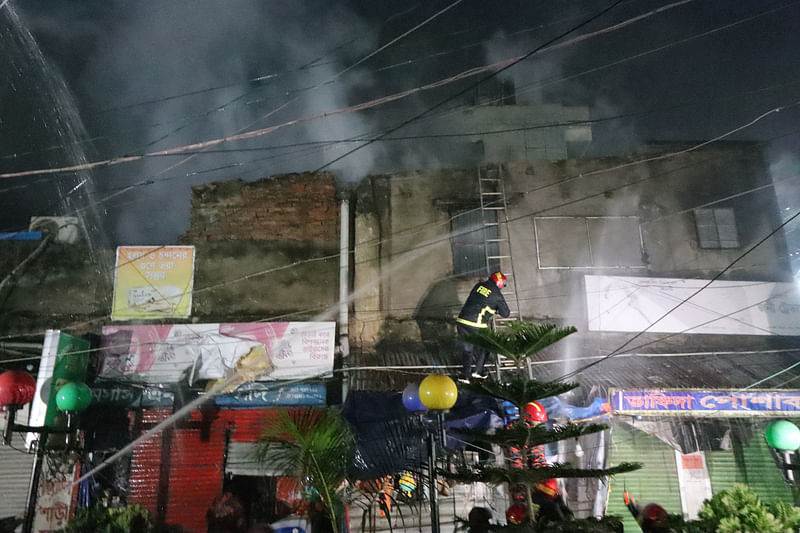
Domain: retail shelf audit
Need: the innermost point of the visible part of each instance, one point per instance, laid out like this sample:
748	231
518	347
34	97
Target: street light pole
33	487
432	490
18	389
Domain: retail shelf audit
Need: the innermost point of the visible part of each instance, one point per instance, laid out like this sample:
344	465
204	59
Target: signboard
153	282
196	352
717	403
56	498
248	395
626	303
260	394
64	358
130	396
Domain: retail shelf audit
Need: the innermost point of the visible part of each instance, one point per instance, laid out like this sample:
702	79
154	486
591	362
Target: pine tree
518	342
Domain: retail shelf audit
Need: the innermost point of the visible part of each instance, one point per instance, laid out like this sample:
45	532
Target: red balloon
16	388
517	513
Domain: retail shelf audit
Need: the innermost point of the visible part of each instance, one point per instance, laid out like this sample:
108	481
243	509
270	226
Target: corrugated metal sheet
145	473
196	454
15	473
241	461
754	467
195	476
656	482
15	470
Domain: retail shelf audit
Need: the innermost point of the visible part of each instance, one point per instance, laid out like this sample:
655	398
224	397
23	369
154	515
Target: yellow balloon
438	391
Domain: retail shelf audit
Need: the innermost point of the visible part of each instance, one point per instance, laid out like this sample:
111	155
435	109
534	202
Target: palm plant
316	446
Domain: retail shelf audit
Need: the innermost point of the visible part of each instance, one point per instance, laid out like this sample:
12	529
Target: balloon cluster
436	391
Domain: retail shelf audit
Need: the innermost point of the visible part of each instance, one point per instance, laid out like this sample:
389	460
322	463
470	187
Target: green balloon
783	435
74	397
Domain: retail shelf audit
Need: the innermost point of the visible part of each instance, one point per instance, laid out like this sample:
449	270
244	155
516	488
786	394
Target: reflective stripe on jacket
484	300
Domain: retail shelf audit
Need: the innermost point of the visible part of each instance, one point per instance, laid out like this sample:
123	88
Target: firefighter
652	518
546	495
484	300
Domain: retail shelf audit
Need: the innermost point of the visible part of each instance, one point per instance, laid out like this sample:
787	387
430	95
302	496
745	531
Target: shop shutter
656	481
241	461
15	471
756	469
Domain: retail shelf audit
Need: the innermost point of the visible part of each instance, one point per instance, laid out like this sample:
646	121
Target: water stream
45	110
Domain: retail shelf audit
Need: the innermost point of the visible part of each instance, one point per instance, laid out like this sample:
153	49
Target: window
716	228
588	242
468	242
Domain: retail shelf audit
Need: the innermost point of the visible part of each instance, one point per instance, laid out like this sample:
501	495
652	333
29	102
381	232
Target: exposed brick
288	207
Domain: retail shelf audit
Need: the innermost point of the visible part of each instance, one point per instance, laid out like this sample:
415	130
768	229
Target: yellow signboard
153	282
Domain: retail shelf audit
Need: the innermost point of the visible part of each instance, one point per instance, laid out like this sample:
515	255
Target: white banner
633	304
169	353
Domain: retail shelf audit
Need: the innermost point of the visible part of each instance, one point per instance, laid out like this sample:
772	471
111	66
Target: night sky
122	79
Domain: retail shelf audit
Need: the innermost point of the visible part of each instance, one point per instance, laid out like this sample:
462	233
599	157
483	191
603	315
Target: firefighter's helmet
654	513
499	279
534	412
548	488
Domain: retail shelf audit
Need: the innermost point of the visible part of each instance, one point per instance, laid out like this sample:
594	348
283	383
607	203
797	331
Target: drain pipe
344	278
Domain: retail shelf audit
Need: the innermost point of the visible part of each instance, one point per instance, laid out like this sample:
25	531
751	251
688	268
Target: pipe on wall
344	277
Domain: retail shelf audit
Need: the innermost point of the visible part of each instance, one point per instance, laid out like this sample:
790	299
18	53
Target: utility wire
502	66
569	375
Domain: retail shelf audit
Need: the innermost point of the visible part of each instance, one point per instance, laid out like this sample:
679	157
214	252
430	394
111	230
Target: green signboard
71	363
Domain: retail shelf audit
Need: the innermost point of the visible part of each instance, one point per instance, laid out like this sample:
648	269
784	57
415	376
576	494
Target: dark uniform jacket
483	301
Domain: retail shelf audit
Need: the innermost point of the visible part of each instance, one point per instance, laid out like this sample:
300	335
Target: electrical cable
502	66
569	375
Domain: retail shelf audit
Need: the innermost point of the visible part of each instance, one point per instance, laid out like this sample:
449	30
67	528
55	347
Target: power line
505	65
682	302
501	66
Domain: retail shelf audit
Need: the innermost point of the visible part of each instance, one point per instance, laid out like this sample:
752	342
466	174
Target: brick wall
293	207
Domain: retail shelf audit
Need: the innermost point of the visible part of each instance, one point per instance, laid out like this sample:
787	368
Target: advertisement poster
153	282
197	352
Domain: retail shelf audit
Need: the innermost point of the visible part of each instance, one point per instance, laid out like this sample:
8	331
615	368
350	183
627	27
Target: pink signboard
195	352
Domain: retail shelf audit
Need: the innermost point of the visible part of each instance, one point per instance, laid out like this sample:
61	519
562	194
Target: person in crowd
652	518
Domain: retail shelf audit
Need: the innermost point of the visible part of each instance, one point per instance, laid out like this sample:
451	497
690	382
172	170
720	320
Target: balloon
16	388
438	391
517	513
411	400
783	435
73	397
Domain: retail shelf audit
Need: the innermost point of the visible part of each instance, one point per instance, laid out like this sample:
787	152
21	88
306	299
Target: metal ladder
497	238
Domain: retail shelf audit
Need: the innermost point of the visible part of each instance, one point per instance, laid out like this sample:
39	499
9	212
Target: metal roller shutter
15	471
754	467
656	481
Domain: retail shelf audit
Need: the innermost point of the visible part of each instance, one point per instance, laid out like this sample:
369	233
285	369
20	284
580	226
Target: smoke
210	70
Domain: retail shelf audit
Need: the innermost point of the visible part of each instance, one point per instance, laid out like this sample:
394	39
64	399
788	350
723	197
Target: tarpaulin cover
390	439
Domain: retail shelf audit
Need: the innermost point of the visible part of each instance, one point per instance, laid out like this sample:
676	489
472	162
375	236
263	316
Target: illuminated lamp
517	514
783	435
74	397
411	399
16	388
438	391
